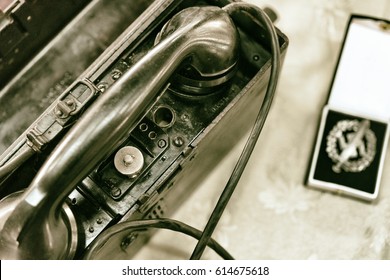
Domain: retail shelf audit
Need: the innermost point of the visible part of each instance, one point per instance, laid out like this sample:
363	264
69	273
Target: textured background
273	215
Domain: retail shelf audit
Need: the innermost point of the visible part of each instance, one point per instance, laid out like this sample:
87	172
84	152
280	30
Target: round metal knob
129	161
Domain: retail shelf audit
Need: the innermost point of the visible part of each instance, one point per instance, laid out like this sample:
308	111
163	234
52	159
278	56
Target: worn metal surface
27	26
65	58
200	130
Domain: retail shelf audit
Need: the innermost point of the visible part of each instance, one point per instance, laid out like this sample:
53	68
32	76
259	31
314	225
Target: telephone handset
136	140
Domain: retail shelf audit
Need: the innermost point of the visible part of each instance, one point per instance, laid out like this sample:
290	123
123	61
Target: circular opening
143	127
152	135
164	117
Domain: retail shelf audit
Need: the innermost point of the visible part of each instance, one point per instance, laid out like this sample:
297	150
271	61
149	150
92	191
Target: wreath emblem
351	145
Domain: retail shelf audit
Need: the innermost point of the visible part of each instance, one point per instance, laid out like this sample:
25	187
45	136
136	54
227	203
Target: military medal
351	145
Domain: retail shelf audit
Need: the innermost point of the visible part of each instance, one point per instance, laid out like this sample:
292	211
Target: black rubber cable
256	12
93	249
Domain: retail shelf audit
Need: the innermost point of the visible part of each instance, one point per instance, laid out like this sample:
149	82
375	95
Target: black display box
352	138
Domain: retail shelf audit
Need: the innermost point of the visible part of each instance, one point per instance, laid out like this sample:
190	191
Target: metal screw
91	229
116	192
99	221
58	112
128	160
102	87
162	143
69	102
115	75
178	141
